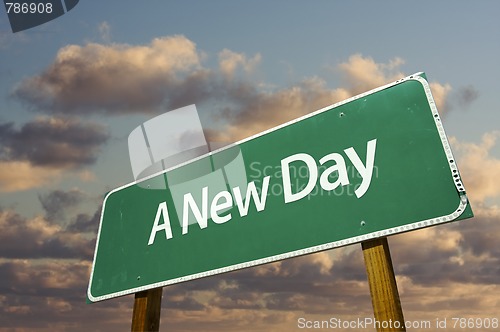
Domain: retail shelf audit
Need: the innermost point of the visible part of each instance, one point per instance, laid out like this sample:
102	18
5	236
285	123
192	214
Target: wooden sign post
147	309
383	288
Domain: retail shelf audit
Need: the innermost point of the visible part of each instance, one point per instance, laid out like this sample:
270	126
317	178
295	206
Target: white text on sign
225	199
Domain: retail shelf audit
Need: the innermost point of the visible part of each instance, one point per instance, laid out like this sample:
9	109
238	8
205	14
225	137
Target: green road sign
371	166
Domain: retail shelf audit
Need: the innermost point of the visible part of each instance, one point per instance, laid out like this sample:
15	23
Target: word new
225	200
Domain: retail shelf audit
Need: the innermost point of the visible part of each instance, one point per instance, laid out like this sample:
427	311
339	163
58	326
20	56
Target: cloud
257	110
21	175
463	252
362	73
168	73
45	149
460	98
440	94
57	202
439	251
272	296
428	302
40	238
229	62
478	167
52	142
105	31
317	276
85	223
466	96
30	276
253	110
8	39
113	79
480	243
49	295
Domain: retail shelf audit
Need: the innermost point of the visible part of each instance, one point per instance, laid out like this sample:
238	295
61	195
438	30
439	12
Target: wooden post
383	287
147	308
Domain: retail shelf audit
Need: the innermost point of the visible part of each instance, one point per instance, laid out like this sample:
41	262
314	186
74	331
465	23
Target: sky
72	90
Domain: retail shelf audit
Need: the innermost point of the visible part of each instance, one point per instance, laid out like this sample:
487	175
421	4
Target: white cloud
258	110
168	73
117	78
440	93
21	175
480	170
264	110
362	73
105	31
229	62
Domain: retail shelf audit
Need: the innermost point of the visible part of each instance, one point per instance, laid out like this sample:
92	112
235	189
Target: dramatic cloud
168	73
271	296
43	149
466	251
440	93
85	223
52	142
49	295
258	110
450	268
39	238
429	301
362	73
21	175
229	62
57	202
442	271
117	78
480	243
479	168
31	276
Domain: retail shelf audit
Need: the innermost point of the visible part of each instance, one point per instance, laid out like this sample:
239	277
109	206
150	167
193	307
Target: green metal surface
415	184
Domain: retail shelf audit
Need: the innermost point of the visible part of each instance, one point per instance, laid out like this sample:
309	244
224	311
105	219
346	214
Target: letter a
161	212
311	182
